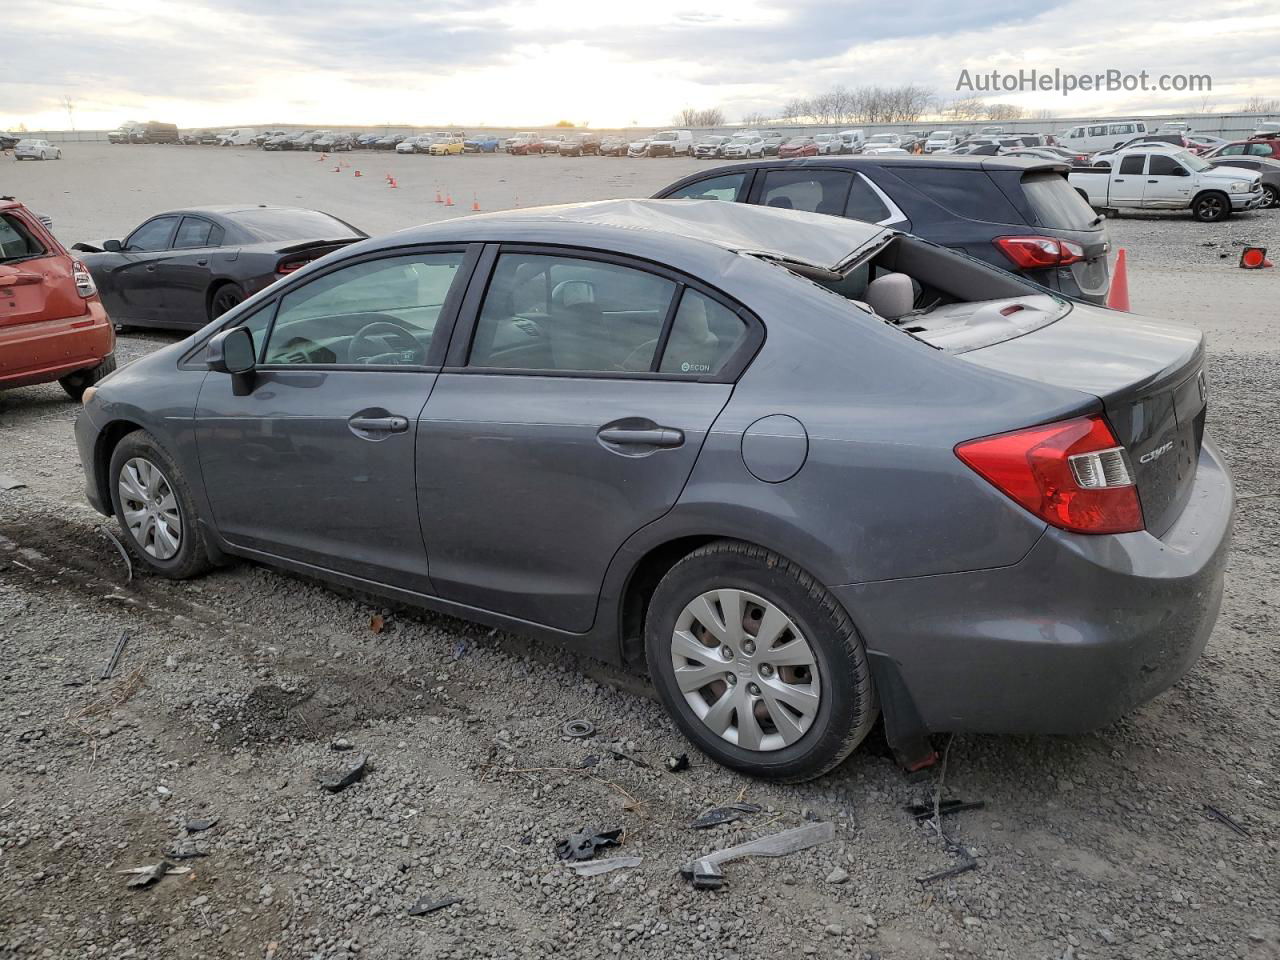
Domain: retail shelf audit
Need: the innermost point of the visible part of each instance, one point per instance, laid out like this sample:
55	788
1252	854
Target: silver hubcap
745	670
150	508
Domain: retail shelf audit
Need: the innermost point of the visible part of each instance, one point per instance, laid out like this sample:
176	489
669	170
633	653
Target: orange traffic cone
392	183
448	199
475	204
1118	297
337	169
439	199
1254	258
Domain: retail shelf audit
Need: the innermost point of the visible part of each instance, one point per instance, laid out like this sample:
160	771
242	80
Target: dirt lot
232	689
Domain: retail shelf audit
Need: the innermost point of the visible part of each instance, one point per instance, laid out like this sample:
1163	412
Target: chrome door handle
653	437
379	424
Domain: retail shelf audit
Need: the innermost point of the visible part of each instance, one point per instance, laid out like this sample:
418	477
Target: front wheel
153	505
1271	200
1211	207
758	663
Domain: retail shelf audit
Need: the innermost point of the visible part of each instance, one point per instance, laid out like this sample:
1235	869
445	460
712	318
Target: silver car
806	469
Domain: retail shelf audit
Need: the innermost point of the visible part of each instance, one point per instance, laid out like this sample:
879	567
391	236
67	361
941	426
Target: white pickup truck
1152	179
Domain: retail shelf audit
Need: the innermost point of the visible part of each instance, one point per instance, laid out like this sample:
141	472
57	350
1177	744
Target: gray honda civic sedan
807	470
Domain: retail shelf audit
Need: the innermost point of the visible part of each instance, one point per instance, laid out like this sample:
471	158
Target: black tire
1211	207
1272	198
848	707
224	297
77	383
191	559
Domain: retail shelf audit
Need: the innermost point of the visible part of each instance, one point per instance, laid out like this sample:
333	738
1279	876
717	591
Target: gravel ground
232	690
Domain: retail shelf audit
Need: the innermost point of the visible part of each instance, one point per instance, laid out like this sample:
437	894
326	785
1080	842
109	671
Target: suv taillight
1033	253
1072	474
84	279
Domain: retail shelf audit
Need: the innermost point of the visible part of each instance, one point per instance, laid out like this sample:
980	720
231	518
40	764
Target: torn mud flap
593	868
705	873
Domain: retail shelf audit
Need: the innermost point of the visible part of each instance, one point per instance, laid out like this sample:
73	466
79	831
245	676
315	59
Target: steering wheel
386	341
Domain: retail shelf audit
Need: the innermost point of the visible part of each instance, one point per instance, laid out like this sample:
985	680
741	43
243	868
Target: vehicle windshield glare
665	136
1192	162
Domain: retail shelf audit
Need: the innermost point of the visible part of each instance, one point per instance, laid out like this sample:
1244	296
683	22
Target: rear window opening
16	241
951	302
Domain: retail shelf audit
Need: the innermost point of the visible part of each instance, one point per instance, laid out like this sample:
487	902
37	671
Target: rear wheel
758	663
224	298
153	505
77	383
1211	207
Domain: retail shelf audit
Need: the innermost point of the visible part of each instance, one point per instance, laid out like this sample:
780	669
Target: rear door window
968	193
16	241
816	191
1133	164
197	232
703	336
865	203
1056	203
570	314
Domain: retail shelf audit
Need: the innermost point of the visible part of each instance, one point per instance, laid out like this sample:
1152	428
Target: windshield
1191	160
293	225
665	136
884	138
940	135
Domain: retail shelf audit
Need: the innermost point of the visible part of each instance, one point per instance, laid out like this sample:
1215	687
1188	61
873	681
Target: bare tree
1043	114
1004	111
691	117
1257	104
756	118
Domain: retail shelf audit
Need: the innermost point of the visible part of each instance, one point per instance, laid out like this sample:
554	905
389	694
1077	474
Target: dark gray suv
805	468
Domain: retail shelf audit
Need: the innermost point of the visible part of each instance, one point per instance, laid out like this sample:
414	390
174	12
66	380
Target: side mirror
232	351
112	246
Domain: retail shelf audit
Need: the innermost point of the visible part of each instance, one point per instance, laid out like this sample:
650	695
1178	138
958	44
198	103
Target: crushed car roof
787	235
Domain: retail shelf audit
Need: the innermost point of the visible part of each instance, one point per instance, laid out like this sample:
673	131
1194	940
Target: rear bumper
1078	633
49	349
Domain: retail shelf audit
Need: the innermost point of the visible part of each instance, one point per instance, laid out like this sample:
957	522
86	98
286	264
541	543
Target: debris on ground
184	850
630	757
677	764
923	811
425	905
593	868
579	729
110	668
200	824
726	814
124	554
10	483
1213	813
584	844
377	623
342	777
146	876
705	873
589	761
341	744
964	866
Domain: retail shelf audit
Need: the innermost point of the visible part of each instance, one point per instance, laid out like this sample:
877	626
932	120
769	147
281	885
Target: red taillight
1072	474
83	279
291	265
1032	253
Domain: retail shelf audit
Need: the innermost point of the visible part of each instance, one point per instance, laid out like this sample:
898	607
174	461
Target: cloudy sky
607	62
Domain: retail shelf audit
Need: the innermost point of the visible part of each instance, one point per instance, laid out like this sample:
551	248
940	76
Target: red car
52	324
523	144
1259	147
799	147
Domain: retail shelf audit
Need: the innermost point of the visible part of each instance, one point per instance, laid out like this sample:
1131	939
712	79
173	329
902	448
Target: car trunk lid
1149	377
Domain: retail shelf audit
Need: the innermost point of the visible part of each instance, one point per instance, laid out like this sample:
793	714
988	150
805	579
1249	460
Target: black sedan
181	269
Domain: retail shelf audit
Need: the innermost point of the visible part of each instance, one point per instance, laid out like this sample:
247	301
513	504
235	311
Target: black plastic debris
923	811
677	764
343	777
631	757
184	850
963	866
590	760
200	824
584	844
1213	813
726	814
110	668
426	905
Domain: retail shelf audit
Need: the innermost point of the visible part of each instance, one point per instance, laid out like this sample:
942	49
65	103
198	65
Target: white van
671	143
1103	135
853	140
